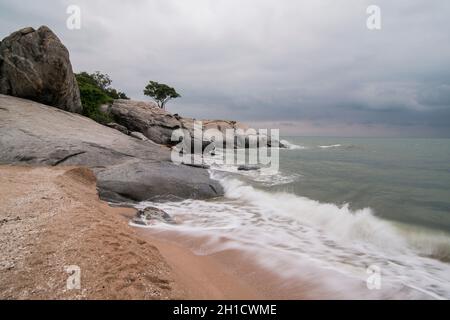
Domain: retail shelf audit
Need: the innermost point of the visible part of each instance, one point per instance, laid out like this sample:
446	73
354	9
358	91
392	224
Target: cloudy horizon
308	68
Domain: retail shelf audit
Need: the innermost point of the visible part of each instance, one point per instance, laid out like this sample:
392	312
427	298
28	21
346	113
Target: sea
367	218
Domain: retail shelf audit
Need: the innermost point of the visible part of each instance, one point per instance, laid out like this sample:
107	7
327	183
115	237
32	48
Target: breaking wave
291	230
331	146
291	146
288	231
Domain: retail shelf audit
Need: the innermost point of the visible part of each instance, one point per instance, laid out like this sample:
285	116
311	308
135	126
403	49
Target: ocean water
337	210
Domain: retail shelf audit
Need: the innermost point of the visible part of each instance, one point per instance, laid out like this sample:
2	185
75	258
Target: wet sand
227	274
51	218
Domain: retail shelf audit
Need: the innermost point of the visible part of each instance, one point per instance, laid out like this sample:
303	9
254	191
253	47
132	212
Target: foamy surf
300	237
292	232
292	146
266	175
331	146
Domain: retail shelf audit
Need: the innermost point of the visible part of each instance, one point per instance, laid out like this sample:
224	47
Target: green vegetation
95	90
160	92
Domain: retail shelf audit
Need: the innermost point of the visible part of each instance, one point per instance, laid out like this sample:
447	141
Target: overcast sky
306	67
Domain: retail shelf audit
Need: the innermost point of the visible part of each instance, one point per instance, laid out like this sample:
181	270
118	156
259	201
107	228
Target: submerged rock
277	143
150	215
245	167
282	145
35	65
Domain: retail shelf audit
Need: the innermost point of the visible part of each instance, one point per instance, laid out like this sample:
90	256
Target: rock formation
127	169
129	157
145	117
158	125
35	65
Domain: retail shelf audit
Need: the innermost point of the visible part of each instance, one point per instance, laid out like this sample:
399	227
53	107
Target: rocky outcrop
118	127
147	120
145	117
35	65
127	169
158	125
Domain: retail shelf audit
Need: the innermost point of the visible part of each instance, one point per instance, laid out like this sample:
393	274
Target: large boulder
35	65
127	169
145	117
154	123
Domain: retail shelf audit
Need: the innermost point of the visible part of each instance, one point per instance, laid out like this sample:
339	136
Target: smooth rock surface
35	65
126	168
145	117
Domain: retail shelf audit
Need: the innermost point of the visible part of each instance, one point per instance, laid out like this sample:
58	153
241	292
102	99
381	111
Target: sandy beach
208	150
51	218
228	274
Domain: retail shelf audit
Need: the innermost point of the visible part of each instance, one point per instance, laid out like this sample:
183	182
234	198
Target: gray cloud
269	62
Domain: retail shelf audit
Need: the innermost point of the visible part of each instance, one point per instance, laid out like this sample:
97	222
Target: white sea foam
266	175
287	231
291	146
331	146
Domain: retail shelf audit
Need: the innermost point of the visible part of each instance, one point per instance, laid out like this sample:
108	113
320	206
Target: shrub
95	91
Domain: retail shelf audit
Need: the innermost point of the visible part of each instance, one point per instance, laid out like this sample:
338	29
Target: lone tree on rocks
160	92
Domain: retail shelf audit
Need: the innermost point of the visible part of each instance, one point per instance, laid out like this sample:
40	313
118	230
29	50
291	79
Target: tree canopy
95	90
160	93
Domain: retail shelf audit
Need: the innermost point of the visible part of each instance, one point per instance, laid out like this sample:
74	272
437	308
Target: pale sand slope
51	217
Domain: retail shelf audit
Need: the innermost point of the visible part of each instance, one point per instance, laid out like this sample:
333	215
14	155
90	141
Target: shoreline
203	277
224	275
52	217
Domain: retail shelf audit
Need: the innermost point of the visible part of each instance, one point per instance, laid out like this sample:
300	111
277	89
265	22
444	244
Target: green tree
160	92
92	97
113	93
95	90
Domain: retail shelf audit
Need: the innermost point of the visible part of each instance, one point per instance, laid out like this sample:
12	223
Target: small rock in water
197	165
248	168
282	145
150	214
